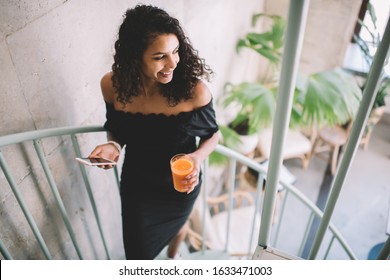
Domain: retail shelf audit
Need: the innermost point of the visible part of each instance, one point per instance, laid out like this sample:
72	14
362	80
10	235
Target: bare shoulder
202	95
107	88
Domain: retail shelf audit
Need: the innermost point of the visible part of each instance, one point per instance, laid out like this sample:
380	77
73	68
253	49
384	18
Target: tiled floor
363	208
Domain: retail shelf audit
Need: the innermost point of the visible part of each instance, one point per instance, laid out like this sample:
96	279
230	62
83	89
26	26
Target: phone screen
98	160
95	161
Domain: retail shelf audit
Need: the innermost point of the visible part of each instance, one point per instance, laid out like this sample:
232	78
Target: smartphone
95	161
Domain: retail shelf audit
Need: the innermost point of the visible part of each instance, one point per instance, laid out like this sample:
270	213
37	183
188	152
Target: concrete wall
328	31
52	56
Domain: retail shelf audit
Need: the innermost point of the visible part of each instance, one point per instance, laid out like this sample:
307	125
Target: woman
157	105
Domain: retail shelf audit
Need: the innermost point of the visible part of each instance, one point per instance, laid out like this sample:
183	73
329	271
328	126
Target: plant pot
247	143
215	180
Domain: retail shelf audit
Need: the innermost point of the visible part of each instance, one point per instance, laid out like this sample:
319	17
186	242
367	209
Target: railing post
23	206
369	95
77	150
385	251
57	195
293	43
204	206
232	179
6	254
259	190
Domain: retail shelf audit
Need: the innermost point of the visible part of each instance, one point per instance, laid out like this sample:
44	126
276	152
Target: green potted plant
256	106
255	101
330	97
325	98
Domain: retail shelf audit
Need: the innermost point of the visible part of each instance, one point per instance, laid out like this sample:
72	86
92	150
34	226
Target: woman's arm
202	96
110	150
205	148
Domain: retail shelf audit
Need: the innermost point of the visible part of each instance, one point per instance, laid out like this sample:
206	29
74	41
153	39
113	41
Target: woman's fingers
191	181
106	151
96	152
106	167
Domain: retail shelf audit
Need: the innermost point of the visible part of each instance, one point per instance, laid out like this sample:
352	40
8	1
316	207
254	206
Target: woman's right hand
106	151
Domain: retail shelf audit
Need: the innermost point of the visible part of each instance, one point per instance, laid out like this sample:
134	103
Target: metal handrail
35	137
290	189
72	131
44	133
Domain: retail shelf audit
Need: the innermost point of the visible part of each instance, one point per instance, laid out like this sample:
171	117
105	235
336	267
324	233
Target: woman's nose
171	62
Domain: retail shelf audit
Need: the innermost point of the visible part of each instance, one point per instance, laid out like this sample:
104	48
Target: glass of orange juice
181	166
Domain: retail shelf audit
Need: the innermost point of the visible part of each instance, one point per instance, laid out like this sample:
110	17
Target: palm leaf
229	137
216	158
269	43
256	40
263	111
272	56
331	97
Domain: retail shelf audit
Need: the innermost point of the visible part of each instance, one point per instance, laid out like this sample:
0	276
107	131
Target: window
355	59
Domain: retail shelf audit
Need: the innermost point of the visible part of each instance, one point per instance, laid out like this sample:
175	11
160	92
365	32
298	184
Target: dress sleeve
113	122
202	122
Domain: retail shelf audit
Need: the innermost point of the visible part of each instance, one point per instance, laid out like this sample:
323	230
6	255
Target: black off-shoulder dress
152	210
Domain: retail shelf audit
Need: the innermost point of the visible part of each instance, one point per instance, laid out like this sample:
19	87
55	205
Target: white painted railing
34	138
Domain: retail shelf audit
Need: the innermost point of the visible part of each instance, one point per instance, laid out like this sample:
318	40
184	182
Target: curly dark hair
141	25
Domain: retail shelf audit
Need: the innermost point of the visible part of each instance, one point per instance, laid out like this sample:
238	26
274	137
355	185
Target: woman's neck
150	89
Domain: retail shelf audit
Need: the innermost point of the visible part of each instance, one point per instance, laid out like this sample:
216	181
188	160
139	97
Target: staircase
32	241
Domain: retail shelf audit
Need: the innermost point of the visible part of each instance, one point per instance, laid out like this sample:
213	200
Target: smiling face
160	59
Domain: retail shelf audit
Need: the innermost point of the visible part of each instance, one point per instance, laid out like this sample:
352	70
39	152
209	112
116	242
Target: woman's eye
158	57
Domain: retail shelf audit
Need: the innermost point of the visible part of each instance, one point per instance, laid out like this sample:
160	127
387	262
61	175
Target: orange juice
181	166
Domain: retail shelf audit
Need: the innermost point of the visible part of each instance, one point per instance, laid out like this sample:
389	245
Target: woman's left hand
205	148
192	179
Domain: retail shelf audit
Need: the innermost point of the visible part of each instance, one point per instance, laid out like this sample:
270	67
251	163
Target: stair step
270	253
209	255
